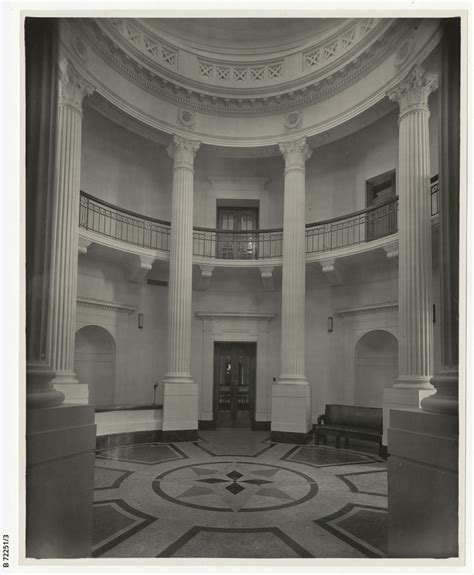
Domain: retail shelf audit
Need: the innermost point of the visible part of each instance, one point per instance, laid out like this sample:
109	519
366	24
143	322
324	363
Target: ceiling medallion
293	120
404	52
186	118
80	48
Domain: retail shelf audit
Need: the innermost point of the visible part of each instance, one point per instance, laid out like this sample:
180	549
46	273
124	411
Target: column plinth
180	413
63	282
291	396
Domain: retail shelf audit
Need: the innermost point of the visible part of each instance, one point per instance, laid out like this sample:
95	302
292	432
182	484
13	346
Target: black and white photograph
242	289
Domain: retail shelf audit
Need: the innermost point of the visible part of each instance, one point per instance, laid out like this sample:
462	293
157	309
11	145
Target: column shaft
291	396
293	275
63	281
180	392
415	266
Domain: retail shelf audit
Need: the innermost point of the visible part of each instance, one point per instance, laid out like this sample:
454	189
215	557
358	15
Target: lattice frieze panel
240	74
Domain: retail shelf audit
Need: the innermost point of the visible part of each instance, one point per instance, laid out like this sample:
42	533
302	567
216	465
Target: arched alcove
376	366
94	363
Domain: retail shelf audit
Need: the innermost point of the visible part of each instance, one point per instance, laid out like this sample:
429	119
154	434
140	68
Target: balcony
103	223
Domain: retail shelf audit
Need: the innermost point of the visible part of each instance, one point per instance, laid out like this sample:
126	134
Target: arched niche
94	363
376	366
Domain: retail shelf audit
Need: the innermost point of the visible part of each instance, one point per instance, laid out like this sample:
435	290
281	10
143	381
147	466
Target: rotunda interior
248	232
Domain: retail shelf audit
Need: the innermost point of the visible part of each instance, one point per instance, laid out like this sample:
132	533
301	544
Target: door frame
252	386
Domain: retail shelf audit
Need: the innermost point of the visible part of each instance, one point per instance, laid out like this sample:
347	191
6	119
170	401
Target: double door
234	383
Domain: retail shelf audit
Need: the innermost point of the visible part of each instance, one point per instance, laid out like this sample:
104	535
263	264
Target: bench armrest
321	419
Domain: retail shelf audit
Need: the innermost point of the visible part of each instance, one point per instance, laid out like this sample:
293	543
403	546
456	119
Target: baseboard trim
175	435
261	425
207	424
291	437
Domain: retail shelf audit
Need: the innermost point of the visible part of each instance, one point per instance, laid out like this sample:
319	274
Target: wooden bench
350	421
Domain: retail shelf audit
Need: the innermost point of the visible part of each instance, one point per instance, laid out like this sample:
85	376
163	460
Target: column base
422	485
180	409
39	392
405	398
291	410
77	393
60	446
446	398
65	378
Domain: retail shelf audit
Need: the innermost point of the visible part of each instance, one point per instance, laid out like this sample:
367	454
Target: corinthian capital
73	87
413	91
183	151
295	153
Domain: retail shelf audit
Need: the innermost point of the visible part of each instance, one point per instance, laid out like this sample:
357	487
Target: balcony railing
237	245
352	229
120	224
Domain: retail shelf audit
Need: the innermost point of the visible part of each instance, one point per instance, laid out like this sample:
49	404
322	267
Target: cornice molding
295	96
112	306
368	309
216	315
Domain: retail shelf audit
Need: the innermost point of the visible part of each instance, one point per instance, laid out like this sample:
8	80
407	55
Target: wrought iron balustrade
358	227
237	244
351	229
118	223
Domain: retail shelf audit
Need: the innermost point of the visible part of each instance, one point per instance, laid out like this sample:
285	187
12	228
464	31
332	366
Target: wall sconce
140	321
330	324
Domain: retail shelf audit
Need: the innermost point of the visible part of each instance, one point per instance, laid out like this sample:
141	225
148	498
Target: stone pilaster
66	194
180	392
291	397
414	253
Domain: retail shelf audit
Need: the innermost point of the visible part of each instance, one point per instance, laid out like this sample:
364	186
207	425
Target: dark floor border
353	487
176	435
324	522
128	438
102	454
117	482
174	547
367	458
209	452
147	520
291	437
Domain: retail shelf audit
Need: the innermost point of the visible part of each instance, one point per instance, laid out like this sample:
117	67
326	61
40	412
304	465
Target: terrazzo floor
234	494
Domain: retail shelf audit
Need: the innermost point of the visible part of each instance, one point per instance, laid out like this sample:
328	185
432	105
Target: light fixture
140	321
330	324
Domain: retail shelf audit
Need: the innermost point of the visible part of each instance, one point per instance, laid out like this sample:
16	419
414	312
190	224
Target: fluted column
294	264
415	320
414	223
445	400
291	398
63	282
180	393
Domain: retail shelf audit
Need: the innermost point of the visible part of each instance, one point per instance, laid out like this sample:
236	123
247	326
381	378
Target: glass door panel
234	383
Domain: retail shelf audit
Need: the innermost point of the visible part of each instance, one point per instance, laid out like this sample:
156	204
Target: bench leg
338	442
346	442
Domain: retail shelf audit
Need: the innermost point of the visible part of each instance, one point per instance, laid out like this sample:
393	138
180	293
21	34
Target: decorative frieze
146	43
240	73
321	55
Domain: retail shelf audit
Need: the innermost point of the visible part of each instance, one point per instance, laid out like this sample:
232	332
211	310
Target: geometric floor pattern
233	494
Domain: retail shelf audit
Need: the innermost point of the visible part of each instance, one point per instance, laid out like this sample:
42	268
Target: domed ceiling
246	65
242	36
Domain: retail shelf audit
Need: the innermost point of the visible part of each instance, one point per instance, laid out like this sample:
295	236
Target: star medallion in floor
235	494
